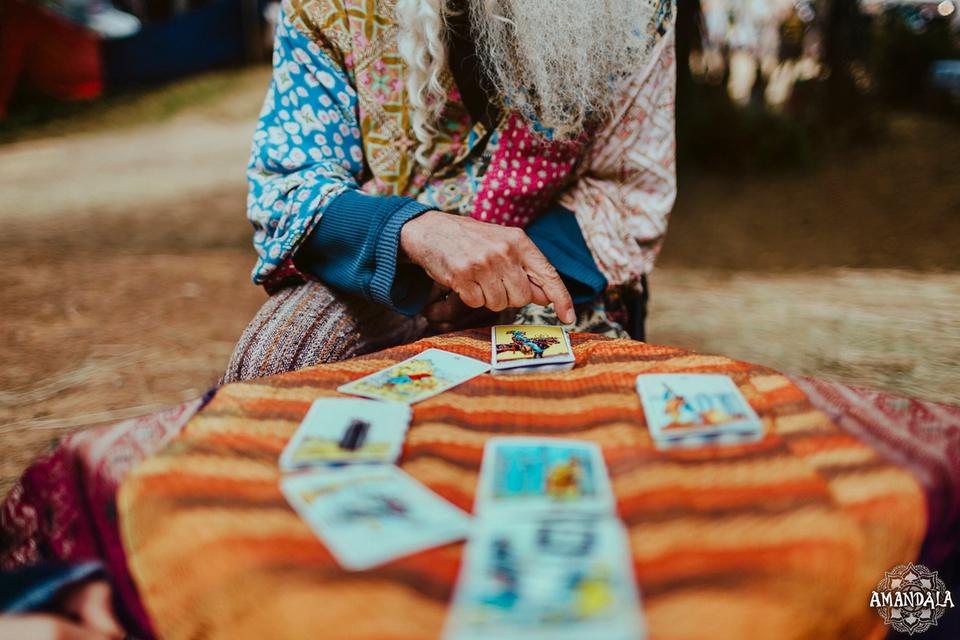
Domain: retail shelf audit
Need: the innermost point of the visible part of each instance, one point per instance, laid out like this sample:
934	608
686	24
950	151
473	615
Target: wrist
412	232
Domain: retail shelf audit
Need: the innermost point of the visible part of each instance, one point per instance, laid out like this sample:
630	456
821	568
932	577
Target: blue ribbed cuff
407	294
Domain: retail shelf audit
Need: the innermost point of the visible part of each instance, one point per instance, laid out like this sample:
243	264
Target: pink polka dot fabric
524	176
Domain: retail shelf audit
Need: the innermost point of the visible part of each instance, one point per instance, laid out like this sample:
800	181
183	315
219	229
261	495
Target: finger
437	293
517	285
542	274
444	311
538	295
471	293
494	294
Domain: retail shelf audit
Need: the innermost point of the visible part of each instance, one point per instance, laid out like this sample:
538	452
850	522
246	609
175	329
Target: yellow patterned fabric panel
362	36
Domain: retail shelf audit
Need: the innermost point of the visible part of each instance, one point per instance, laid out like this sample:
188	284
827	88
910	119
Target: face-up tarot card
418	378
530	347
701	408
369	515
556	579
346	431
531	475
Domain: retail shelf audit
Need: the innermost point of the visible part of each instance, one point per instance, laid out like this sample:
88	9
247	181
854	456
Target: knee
297	327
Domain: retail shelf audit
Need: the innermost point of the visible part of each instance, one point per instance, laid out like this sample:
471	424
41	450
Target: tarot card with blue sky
554	578
418	378
679	406
370	515
522	475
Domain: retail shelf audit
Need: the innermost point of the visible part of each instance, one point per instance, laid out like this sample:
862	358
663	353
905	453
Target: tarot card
369	515
558	578
515	348
418	378
536	475
347	431
698	408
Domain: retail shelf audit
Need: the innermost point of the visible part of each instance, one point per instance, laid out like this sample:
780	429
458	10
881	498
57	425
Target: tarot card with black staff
342	431
528	348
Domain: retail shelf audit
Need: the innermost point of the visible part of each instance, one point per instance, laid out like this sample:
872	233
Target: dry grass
892	330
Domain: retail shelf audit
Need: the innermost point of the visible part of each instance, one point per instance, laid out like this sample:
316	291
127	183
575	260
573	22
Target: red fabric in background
56	57
921	436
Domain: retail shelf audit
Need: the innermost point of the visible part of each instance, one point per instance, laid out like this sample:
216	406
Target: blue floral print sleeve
305	166
306	148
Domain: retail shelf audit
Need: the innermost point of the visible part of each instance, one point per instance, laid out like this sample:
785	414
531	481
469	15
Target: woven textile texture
787	535
64	507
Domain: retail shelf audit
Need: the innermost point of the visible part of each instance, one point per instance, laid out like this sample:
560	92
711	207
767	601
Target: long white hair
553	61
422	46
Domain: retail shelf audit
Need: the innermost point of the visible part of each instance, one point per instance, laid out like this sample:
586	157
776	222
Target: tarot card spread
367	516
340	431
418	378
529	475
699	408
554	578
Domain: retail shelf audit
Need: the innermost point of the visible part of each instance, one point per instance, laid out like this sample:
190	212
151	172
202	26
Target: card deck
533	475
529	349
556	579
685	410
418	378
369	515
340	431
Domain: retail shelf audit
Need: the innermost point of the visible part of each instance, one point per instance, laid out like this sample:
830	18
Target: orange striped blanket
779	539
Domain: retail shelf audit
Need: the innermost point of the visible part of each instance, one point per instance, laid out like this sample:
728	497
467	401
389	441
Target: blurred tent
75	49
54	55
215	34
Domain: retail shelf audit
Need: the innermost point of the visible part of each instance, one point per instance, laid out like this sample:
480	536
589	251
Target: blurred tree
713	132
846	43
690	32
907	45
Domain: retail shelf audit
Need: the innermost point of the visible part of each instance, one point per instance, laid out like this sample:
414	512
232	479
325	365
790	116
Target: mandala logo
911	598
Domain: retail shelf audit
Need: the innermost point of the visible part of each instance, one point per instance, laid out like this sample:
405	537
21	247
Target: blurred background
816	230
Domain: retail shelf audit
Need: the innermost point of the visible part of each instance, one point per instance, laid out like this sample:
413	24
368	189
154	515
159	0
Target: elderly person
427	165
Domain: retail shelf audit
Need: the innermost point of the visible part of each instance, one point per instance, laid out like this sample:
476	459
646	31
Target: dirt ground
125	259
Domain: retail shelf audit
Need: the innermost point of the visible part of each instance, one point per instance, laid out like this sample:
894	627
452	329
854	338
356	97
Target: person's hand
83	613
446	312
485	264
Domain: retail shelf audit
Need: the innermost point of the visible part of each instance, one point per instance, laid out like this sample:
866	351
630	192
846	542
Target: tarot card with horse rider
339	431
555	578
368	515
530	348
521	476
690	410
